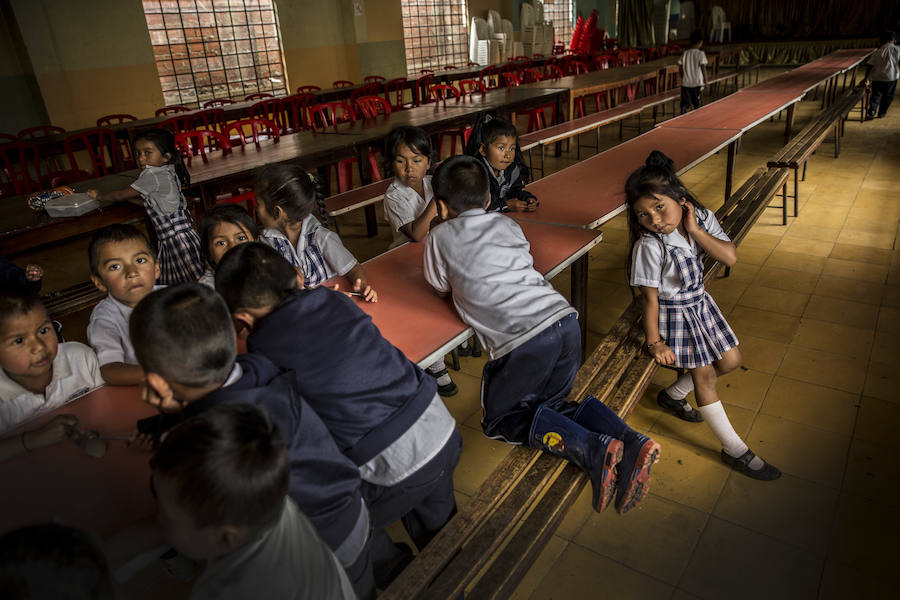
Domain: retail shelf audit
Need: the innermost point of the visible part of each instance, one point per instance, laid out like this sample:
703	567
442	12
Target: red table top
61	483
563	196
741	111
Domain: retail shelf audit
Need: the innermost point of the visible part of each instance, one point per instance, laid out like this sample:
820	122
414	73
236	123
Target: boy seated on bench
533	338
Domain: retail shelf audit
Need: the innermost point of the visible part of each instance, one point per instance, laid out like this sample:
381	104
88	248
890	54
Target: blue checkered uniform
179	245
690	321
312	264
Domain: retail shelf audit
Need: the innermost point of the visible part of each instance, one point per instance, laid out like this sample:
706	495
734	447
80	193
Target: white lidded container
73	205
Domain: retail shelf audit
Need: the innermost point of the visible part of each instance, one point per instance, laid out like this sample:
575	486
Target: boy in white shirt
37	373
123	264
692	70
533	338
885	69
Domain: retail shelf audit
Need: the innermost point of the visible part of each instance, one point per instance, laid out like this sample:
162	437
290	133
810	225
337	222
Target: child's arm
519	199
357	278
128	194
705	74
417	229
722	251
118	373
655	345
54	431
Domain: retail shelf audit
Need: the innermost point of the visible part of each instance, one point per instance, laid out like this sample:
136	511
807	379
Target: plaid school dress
179	245
311	264
690	321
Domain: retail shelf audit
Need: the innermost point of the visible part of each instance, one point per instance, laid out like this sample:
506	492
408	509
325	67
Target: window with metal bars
209	49
560	12
434	32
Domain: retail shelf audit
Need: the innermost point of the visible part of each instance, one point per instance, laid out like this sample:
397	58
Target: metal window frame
435	34
561	12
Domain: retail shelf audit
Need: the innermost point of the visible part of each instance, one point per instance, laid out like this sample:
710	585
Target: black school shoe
447	390
470	349
741	464
678	407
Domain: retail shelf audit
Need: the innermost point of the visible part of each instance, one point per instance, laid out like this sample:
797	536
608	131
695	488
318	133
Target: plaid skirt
694	328
179	248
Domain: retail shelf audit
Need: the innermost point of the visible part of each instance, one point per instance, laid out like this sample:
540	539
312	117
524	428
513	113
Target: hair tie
276	190
487	118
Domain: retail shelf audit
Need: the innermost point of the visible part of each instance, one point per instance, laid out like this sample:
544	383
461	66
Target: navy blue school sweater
364	389
324	483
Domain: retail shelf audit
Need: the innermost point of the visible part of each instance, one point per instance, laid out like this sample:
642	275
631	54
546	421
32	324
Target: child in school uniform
223	227
221	480
158	189
532	334
496	142
409	207
123	265
884	70
384	413
692	71
671	232
37	373
184	340
285	199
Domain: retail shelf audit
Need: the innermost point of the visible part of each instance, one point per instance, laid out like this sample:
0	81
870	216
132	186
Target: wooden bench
72	299
492	542
829	122
740	74
362	197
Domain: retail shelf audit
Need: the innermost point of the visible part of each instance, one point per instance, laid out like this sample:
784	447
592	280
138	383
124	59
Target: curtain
635	27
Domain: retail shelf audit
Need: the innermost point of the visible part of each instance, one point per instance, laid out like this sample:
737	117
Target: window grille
434	32
560	12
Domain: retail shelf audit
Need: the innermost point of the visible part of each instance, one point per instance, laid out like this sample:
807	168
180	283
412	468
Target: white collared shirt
338	260
403	205
107	331
690	62
75	373
652	267
885	63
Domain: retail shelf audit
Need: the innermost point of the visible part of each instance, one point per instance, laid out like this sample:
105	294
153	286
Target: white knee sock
436	368
714	415
679	390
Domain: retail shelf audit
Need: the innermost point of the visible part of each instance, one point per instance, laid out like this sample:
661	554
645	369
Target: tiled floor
816	305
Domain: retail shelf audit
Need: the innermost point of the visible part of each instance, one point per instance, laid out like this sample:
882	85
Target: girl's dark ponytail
165	142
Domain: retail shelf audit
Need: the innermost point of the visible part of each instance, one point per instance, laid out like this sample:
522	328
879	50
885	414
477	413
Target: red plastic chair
420	89
342	83
200	142
103	152
470	63
368	89
171	110
372	107
552	72
511	79
576	67
269	109
257	96
426	71
467	87
39	131
248	199
217	102
530	75
180	122
296	112
7	137
210	118
21	167
442	91
330	114
450	67
536	117
306	89
488	76
260	129
373	79
115	119
394	91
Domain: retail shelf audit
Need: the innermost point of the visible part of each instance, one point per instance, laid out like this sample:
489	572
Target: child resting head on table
37	372
221	482
286	197
223	227
184	339
531	332
123	265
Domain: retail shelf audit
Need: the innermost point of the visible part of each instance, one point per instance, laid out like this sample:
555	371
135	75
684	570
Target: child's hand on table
34	272
56	430
367	293
528	205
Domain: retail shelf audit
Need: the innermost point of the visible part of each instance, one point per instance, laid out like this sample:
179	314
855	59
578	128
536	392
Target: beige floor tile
861	253
873	471
883	241
683	595
752	255
784	279
806	246
699	434
795	261
761	354
745	273
840	582
812	232
674	529
579	573
891	296
470	365
744	388
894	276
647	411
883	381
858	537
775	300
799	450
889	320
582	509
882	226
757	239
721	561
763	323
480	456
842	312
541	567
687	474
824	368
832	337
878	421
825	408
790	509
828	220
855	270
849	289
884	349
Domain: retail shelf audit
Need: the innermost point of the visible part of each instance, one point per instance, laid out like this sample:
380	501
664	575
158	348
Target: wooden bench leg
789	124
729	169
371	221
797	189
579	288
784	204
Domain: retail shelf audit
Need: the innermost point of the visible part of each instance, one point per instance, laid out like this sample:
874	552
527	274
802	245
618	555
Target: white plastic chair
719	25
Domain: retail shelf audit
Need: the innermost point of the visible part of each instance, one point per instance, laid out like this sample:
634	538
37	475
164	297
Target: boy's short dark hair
113	233
254	275
462	182
696	37
886	36
229	465
17	302
184	333
53	561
